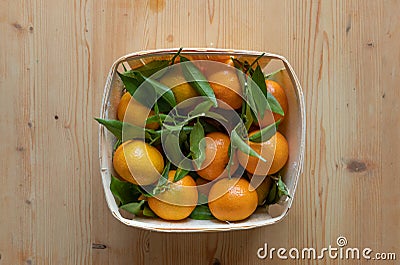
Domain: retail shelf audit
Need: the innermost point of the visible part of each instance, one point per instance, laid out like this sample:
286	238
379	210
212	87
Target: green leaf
180	174
282	188
271	198
201	212
197	80
259	79
239	143
150	68
156	118
148	212
162	183
124	191
273	75
216	116
131	84
197	146
118	128
153	89
274	105
248	117
163	105
256	99
162	90
277	191
202	107
231	152
133	207
114	126
265	133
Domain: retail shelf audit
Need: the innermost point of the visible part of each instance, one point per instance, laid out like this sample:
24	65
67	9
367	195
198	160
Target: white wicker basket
293	128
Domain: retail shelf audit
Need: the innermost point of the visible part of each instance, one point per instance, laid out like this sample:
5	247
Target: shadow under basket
293	128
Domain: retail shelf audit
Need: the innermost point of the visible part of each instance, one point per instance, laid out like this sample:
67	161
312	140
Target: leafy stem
176	55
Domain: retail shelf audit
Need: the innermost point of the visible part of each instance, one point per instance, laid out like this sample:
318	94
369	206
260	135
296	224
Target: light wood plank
46	130
54	58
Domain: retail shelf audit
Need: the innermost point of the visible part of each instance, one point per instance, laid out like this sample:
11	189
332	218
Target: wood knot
98	246
20	148
17	26
356	166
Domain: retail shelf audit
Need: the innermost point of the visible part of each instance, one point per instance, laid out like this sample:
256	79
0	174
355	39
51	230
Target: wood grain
55	55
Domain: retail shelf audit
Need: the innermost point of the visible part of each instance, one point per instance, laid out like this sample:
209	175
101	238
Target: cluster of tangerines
230	196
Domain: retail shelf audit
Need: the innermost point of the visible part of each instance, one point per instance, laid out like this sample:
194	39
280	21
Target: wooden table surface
55	55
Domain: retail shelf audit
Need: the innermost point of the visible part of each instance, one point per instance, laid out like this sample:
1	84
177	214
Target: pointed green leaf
180	174
124	191
162	182
278	190
150	68
197	146
239	143
202	107
265	133
273	76
282	188
256	99
197	80
277	77
201	212
231	154
248	117
118	128
216	116
133	207
162	90
156	118
259	79
148	212
131	84
271	198
274	105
